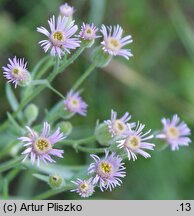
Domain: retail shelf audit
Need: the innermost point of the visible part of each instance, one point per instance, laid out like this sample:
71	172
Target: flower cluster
130	136
60	38
106	173
123	138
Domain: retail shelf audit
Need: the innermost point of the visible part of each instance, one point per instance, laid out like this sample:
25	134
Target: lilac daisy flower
88	32
107	171
75	104
66	10
175	132
118	127
59	40
136	141
85	188
113	43
16	71
40	147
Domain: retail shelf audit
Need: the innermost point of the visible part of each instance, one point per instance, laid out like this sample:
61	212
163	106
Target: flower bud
31	113
66	127
56	181
100	58
67	11
25	81
103	135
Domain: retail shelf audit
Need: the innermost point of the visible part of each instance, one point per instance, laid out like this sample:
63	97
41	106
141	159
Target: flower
59	40
16	71
136	141
118	127
107	171
113	43
88	32
40	147
66	10
175	132
85	188
75	104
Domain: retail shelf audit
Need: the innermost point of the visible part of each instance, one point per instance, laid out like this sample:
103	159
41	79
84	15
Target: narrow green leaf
14	123
52	169
5	189
41	177
12	100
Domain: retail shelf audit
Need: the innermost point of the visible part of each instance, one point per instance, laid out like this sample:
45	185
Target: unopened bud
66	127
103	135
56	181
31	113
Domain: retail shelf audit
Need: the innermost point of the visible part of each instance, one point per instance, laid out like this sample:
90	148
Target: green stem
38	65
80	141
53	192
10	164
83	77
71	59
89	150
44	69
12	174
47	84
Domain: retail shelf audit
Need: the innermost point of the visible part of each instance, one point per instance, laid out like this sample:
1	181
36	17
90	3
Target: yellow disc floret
42	145
133	142
172	132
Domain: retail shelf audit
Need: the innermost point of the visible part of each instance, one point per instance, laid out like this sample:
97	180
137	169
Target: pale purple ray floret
60	40
16	71
75	104
113	42
40	147
118	126
136	142
88	31
85	188
107	171
175	132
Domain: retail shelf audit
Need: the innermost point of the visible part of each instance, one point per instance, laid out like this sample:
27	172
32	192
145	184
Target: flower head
40	147
113	43
59	40
88	32
66	10
107	171
175	132
16	71
75	104
118	127
135	141
85	188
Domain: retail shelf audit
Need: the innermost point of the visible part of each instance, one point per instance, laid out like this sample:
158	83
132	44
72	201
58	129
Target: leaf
14	123
12	100
5	189
61	170
41	177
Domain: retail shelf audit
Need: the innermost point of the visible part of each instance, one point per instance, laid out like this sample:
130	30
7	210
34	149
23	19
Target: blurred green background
157	82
